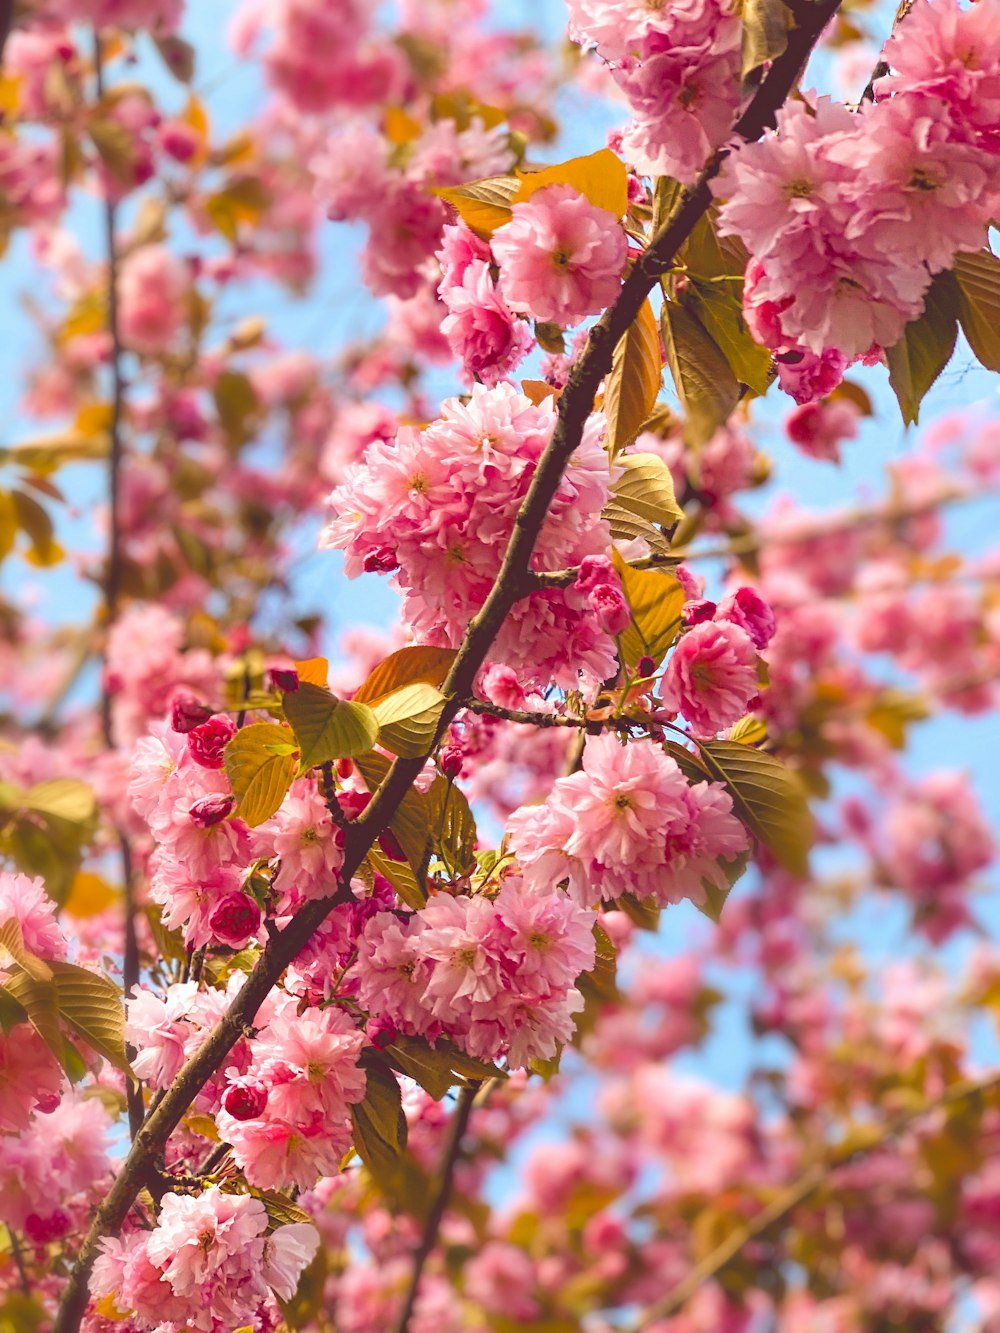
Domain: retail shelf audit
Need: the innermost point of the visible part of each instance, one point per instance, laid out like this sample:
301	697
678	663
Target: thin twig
112	589
575	407
446	1180
780	1208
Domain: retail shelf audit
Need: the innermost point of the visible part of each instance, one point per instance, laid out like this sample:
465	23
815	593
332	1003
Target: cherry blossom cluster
628	823
445	497
497	976
213	1261
849	214
679	68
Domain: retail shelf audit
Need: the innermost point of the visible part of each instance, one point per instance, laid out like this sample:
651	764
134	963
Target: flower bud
235	920
382	561
285	679
245	1099
609	605
207	742
44	1230
211	810
451	762
645	666
697	610
187	712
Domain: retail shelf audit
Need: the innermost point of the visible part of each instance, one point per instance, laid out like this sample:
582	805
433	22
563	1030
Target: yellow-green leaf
12	946
766	24
400	875
92	1006
407	666
453	825
925	348
236	403
260	769
66	798
600	177
243	200
705	384
114	146
646	488
380	1126
721	314
36	523
411	823
634	382
767	797
749	731
38	1000
408	719
281	1210
978	278
715	897
482	205
655	599
327	727
8	523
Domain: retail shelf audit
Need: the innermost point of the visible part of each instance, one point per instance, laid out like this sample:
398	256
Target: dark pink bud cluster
245	1099
235	919
211	810
187	712
382	561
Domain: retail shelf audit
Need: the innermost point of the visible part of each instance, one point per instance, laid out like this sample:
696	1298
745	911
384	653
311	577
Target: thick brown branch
575	407
446	1179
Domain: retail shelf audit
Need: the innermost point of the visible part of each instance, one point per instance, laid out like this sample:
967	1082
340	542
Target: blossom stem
446	1179
575	406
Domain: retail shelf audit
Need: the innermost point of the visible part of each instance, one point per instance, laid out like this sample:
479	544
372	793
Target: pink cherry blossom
560	257
711	676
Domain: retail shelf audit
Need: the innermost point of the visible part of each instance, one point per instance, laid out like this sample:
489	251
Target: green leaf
401	876
644	912
767	797
281	1210
380	1126
705	384
452	825
977	276
411	822
12	1012
721	314
327	727
439	1067
406	667
91	1005
39	1002
408	719
715	897
706	254
925	348
766	25
636	375
655	599
258	772
482	205
177	55
599	986
12	946
310	1295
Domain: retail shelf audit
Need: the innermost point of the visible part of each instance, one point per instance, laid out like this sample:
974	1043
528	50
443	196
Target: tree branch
575	406
112	586
881	68
800	1190
446	1179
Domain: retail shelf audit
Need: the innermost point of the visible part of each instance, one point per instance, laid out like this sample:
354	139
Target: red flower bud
381	1033
382	561
207	742
285	679
235	919
211	810
645	666
697	610
245	1099
187	712
451	762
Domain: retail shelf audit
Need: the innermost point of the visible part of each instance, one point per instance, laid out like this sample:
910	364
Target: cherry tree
355	980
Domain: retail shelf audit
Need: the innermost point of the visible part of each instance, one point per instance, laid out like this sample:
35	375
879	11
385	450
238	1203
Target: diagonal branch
575	407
